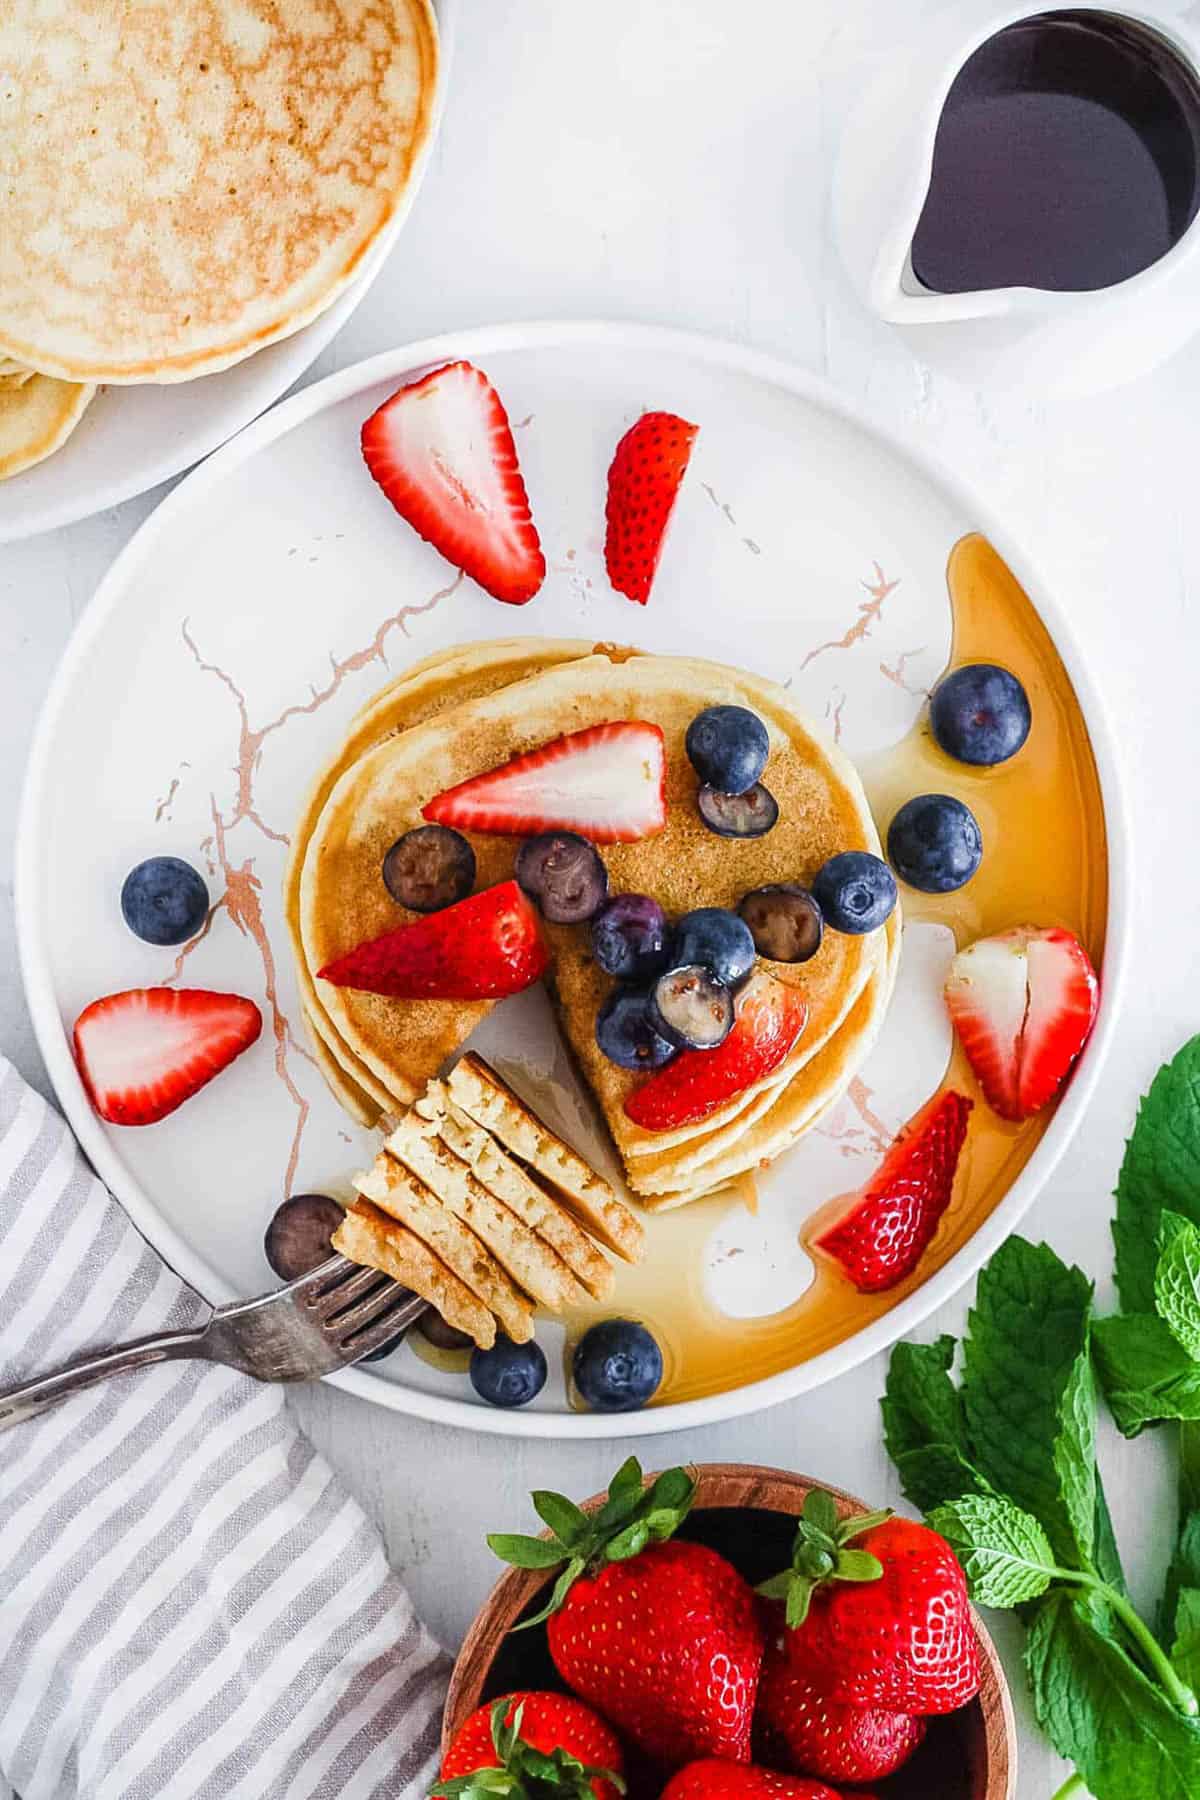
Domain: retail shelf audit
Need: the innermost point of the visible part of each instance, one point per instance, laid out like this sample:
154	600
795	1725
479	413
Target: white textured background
670	162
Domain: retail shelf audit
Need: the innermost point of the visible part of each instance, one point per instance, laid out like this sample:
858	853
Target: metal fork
326	1320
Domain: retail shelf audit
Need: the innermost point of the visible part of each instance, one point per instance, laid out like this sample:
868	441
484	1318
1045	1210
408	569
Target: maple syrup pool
1055	873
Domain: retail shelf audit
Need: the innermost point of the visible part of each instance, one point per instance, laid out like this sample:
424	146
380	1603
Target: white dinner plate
275	590
132	438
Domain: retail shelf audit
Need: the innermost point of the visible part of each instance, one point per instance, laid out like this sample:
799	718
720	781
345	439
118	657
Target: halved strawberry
483	948
885	1233
442	451
607	782
1023	1003
144	1052
770	1018
649	463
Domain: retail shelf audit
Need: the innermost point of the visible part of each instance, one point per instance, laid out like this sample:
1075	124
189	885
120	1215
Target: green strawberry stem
523	1773
820	1554
632	1517
1177	1691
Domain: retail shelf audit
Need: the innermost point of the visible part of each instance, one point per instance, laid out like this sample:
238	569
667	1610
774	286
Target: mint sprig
1003	1464
822	1551
631	1517
521	1772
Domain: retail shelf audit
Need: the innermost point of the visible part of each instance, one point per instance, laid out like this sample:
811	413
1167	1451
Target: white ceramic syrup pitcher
1014	337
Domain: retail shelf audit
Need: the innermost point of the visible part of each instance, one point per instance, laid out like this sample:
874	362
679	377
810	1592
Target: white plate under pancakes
274	591
132	438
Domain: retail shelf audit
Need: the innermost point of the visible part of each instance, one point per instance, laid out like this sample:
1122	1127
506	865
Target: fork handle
38	1396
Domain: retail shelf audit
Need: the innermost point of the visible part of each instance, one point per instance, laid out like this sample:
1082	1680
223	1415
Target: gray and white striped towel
190	1605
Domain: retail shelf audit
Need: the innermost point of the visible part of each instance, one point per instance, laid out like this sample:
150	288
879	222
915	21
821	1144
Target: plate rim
481	342
307	344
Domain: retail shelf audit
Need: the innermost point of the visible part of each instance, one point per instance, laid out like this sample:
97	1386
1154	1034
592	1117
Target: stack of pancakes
469	710
480	1208
185	183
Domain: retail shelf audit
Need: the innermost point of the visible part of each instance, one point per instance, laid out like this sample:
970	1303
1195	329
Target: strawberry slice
607	782
649	463
770	1018
484	948
144	1052
442	451
1023	1003
887	1230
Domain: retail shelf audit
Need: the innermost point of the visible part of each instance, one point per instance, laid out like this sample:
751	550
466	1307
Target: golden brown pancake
187	182
37	415
344	902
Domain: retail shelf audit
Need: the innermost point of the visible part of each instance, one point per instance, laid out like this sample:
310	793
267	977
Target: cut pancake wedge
369	1236
512	1184
482	1095
37	416
395	1190
528	1258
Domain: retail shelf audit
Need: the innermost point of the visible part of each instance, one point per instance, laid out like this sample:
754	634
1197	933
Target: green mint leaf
1185	1652
1183	1572
931	1476
525	1552
1177	1281
922	1406
1146	1373
1105	1555
1028	1393
1161	1171
1101	1712
1005	1554
570	1526
624	1496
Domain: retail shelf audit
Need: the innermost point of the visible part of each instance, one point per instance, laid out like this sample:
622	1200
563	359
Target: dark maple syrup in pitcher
1067	158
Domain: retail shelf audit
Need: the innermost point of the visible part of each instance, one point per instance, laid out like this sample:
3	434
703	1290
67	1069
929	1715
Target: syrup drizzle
1045	862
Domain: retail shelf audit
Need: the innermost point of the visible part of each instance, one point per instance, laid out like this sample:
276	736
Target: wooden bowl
748	1514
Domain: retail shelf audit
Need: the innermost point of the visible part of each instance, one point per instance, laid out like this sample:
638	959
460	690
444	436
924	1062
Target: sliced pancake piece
531	1262
518	1189
369	1236
396	1191
482	1095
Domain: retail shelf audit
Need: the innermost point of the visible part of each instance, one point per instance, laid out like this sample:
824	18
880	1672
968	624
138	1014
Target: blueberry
429	868
508	1374
747	815
980	714
164	900
716	938
617	1366
935	843
785	921
434	1329
629	937
855	891
564	874
728	747
692	1008
626	1032
299	1237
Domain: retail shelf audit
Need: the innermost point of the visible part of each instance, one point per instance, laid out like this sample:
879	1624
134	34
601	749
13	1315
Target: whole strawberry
532	1746
883	1624
797	1727
712	1780
663	1637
